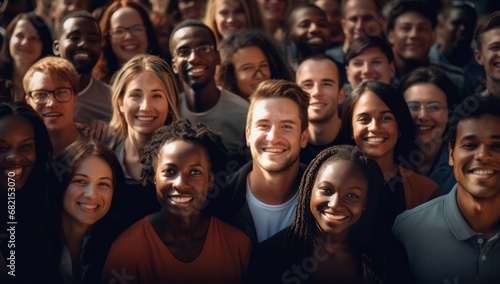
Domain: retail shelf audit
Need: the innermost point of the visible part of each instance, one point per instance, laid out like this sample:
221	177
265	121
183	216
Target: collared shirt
443	248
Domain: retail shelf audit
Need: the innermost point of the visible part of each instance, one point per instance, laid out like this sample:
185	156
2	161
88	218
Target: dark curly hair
183	130
302	233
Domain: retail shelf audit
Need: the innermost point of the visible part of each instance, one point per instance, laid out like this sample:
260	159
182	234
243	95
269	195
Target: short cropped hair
323	57
271	89
56	68
405	6
490	22
360	44
188	24
77	14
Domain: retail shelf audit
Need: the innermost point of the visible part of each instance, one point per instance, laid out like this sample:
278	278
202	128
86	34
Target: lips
335	217
196	71
87	206
273	150
145	118
52	114
315	40
82	55
181	199
375	140
317	105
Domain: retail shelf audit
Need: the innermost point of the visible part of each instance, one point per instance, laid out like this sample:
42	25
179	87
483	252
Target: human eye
223	12
247	67
39	95
322	24
496	146
134	95
168	171
363	119
325	191
352	195
3	148
357	63
158	96
137	29
305	24
204	48
469	146
105	184
287	126
195	172
118	32
434	107
27	146
414	106
78	181
262	126
387	117
307	86
183	52
405	28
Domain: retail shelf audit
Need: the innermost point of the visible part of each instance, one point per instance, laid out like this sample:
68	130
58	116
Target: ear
390	37
120	104
55	48
341	96
393	69
174	66
304	138
211	182
343	23
247	134
478	56
450	157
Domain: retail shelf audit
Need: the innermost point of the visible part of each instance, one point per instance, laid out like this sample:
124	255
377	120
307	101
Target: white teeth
334	217
483	172
318	104
88	206
82	55
424	128
145	118
197	70
273	150
180	199
374	139
16	171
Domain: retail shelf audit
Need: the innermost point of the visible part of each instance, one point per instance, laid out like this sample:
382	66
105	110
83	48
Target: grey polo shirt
443	248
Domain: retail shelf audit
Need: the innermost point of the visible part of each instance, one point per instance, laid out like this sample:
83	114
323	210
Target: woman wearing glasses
51	85
429	94
126	31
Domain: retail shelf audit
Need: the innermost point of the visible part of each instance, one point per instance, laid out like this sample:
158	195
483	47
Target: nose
90	190
313	28
180	182
482	153
314	91
374	124
273	134
367	68
358	26
413	32
334	201
145	103
13	156
422	113
51	100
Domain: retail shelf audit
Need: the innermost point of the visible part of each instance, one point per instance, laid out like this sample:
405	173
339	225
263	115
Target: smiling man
79	41
195	58
487	54
465	223
261	198
326	91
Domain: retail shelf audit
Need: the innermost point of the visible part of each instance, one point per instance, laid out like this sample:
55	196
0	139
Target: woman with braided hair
181	243
329	237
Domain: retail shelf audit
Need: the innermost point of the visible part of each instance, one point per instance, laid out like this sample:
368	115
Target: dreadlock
303	227
183	130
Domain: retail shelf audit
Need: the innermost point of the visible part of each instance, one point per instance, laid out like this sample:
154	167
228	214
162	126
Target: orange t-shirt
138	255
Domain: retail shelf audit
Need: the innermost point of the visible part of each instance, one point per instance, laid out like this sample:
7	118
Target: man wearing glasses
50	86
195	58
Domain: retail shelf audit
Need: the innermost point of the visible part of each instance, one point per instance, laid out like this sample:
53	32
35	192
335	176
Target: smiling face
144	105
360	19
412	37
371	65
251	68
17	151
274	134
430	125
309	31
182	177
198	69
337	198
333	13
489	55
191	9
89	194
56	116
25	46
323	88
129	45
374	127
230	17
80	43
476	157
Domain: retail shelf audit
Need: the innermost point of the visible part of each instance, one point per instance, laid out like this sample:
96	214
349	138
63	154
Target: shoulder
420	214
134	233
231	98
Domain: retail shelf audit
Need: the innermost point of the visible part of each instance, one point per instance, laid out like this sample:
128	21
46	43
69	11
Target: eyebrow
383	112
84	175
24	140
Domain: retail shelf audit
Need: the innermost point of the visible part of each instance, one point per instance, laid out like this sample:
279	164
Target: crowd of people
250	141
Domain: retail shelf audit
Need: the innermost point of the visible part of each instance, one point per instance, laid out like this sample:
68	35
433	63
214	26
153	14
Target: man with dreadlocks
261	197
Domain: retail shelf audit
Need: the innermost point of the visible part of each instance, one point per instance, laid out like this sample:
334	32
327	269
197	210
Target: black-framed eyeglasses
430	107
61	95
201	50
137	30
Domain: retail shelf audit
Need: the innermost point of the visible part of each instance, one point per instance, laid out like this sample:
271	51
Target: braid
303	227
183	130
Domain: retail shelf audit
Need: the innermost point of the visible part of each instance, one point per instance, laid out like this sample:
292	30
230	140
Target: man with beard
261	198
326	91
455	238
195	58
79	41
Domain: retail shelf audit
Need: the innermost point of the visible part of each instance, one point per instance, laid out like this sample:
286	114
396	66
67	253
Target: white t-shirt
270	219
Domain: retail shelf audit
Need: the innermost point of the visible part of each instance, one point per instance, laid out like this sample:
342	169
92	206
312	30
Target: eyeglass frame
426	107
196	50
50	93
127	30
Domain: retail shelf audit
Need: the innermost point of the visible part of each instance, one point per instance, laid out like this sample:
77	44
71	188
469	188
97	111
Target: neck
482	215
180	228
134	142
324	133
202	100
345	45
456	56
406	66
73	235
84	81
271	27
493	87
273	188
63	138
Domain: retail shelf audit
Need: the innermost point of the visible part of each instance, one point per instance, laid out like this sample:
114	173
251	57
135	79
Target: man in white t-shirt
261	197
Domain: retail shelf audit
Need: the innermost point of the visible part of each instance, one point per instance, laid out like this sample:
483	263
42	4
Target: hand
98	130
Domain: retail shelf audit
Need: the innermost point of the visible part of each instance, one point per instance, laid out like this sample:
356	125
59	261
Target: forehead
370	102
24	25
248	54
15	126
360	7
308	69
182	150
307	13
125	15
412	17
490	37
228	3
40	80
425	92
339	171
458	13
277	108
80	23
372	52
191	36
483	127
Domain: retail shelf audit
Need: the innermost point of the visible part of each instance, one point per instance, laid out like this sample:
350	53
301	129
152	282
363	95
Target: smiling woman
181	238
86	182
